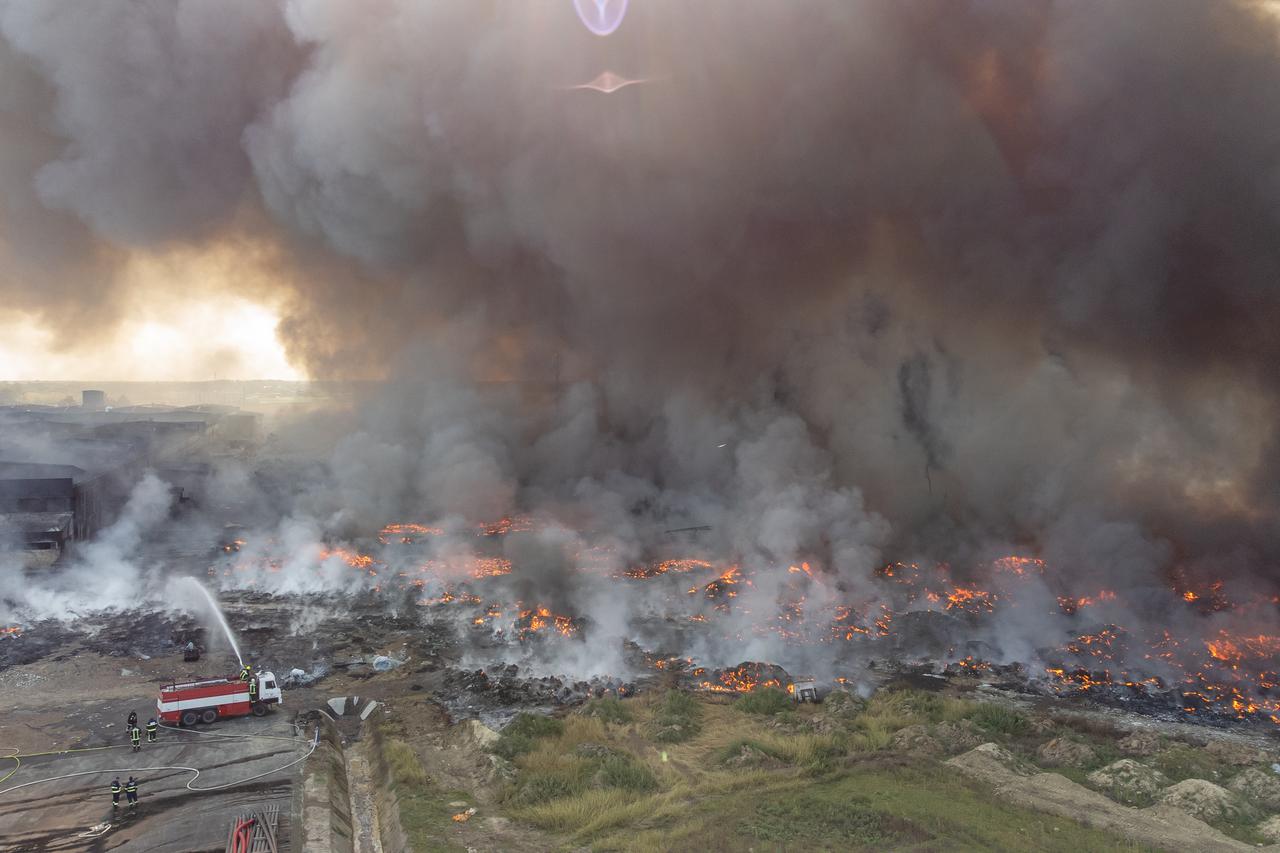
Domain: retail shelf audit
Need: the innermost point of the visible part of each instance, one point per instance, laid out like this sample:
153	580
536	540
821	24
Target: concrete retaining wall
326	797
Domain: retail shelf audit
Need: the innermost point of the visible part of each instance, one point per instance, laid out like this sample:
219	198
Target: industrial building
66	472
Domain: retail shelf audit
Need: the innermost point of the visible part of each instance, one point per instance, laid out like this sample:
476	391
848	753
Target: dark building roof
39	472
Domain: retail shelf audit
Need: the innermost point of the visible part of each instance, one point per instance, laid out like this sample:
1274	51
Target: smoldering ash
845	287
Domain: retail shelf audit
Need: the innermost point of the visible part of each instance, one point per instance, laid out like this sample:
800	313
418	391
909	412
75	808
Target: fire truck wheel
190	718
209	716
259	709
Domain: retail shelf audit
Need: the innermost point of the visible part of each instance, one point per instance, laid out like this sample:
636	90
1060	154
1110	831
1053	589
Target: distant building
43	508
93	401
66	472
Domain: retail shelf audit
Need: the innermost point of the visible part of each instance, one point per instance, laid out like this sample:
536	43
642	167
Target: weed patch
767	701
1180	762
521	734
1000	720
677	719
609	709
624	772
406	769
810	819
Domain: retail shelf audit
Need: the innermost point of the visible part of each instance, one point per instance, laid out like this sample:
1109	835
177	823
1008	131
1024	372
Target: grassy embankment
678	772
425	812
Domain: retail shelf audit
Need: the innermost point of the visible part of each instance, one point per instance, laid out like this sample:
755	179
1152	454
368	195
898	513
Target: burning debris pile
691	620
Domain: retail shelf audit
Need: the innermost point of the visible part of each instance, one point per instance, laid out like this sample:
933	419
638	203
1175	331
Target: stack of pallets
254	832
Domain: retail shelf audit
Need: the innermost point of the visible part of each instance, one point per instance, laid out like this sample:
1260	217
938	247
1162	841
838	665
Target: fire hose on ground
315	741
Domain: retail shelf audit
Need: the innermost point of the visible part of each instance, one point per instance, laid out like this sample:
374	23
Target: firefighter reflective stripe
131	788
151	727
253	689
135	735
115	787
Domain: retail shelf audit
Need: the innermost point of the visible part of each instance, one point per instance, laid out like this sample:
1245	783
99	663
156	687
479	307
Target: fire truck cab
191	702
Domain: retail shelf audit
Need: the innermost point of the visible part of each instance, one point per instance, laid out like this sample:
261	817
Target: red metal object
228	697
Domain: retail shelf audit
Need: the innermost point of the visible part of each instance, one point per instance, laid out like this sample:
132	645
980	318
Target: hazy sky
186	314
203	337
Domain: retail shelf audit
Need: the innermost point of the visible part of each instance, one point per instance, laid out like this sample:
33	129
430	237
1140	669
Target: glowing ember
540	618
1235	649
743	679
1229	671
407	533
503	526
352	558
971	600
653	570
1019	565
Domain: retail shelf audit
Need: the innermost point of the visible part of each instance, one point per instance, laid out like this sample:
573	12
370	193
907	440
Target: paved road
170	817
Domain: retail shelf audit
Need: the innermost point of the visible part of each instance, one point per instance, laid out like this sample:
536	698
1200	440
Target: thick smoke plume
841	281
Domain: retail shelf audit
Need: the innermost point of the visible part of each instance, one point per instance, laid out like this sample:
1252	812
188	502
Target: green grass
522	733
556	768
808	818
610	709
425	816
1180	762
829	791
904	808
406	769
625	772
767	701
729	752
424	811
678	718
999	720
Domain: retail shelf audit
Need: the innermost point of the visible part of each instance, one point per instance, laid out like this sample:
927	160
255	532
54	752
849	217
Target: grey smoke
1027	248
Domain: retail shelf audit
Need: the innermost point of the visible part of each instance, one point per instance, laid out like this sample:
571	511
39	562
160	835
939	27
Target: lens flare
608	83
602	17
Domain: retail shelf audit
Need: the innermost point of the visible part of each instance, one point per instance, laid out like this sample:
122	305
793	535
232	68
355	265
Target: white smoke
104	575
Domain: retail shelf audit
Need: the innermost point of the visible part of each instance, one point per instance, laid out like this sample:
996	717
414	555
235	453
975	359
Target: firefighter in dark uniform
152	728
135	737
131	791
133	719
115	792
253	690
247	672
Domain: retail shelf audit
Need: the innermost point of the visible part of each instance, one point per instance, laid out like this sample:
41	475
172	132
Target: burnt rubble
500	692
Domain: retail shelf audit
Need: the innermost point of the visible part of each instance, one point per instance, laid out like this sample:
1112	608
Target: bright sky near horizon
209	336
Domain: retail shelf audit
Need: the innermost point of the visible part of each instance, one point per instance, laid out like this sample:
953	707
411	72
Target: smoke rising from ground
104	575
857	281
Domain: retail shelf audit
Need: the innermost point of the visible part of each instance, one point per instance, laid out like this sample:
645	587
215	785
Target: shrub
623	771
1000	720
406	769
1180	762
768	700
734	753
905	706
678	718
609	709
537	788
869	736
521	733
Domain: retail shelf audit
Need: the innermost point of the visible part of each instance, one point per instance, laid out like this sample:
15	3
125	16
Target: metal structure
255	832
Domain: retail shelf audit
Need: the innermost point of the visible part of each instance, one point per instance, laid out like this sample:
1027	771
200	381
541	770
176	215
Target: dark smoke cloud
843	278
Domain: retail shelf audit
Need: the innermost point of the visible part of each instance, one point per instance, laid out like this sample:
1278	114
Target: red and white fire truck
194	702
